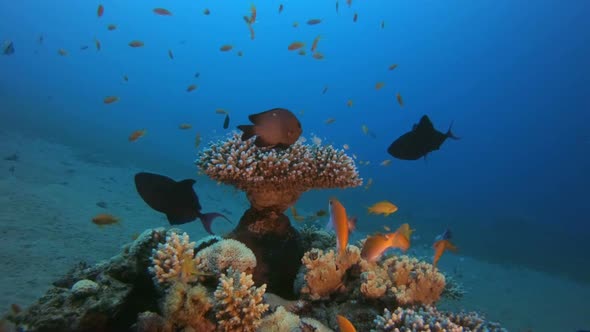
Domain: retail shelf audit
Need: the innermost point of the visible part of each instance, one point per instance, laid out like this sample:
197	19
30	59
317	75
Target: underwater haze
510	77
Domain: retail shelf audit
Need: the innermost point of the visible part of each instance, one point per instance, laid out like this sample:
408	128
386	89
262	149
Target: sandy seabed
49	195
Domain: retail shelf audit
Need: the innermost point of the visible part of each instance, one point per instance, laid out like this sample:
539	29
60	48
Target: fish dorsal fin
425	124
187	182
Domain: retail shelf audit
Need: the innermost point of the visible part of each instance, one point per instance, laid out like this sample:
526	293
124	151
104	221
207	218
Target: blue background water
512	75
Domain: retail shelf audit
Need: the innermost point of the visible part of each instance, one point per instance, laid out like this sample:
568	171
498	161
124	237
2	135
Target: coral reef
403	280
220	256
239	303
275	178
324	272
173	261
426	319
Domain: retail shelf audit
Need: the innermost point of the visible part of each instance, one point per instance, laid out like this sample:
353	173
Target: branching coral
239	304
324	272
403	279
276	178
429	319
173	261
220	256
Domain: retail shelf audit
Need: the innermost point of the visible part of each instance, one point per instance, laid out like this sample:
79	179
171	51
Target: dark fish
84	47
8	48
197	74
170	55
420	141
325	90
177	200
12	157
226	122
277	127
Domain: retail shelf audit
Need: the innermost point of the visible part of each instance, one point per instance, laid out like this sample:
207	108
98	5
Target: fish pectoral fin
248	131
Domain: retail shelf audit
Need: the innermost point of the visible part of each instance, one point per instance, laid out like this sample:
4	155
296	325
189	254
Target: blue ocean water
512	77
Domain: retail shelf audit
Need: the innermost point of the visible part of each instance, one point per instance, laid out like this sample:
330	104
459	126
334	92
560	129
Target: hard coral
429	319
402	279
239	304
220	256
173	260
324	272
276	178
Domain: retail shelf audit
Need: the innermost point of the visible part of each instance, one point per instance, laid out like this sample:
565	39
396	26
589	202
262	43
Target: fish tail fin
248	131
207	219
450	133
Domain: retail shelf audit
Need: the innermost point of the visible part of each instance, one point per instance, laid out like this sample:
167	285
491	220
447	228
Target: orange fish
314	21
377	244
252	34
62	52
206	11
136	43
400	101
341	223
191	88
315	43
405	230
344	324
253	14
162	11
185	126
355	17
137	135
100	10
220	111
111	27
330	121
318	56
393	66
296	216
301	51
442	243
295	24
226	48
379	85
349	103
295	46
111	99
105	219
97	44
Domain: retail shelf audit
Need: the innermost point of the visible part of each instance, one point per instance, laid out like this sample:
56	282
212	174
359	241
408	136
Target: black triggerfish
177	200
420	141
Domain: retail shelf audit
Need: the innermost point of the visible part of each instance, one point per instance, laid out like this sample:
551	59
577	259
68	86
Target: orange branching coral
324	271
220	256
264	172
173	260
403	279
186	306
239	304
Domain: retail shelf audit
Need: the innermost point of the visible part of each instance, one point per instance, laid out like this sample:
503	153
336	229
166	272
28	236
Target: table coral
220	256
427	319
276	178
324	272
402	279
239	304
173	260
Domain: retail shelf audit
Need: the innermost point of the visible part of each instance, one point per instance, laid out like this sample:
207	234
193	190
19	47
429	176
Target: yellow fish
384	207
